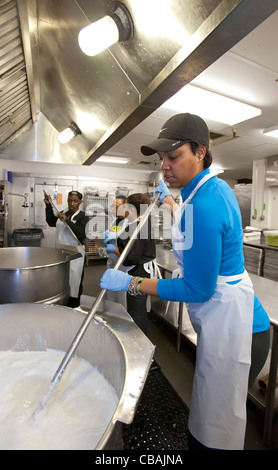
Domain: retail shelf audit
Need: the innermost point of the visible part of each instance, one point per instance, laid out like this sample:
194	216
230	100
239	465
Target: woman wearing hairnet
231	325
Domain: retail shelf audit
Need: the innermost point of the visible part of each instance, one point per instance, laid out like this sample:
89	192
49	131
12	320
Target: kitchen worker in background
140	261
110	237
77	221
231	324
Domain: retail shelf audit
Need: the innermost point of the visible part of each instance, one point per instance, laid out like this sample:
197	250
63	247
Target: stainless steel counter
267	292
265	289
261	258
165	258
260	243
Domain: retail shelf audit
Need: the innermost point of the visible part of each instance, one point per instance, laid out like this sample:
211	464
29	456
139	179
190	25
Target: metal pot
33	274
113	343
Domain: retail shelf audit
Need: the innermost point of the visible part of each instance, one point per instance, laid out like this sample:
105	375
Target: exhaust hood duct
110	94
98	36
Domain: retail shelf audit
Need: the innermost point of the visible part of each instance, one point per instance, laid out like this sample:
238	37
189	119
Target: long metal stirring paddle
62	367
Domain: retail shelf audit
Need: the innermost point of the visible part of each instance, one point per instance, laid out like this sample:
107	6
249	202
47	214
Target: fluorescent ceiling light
211	106
108	159
272	131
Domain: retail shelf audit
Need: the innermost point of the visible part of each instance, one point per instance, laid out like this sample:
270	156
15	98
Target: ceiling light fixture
67	134
114	27
110	159
271	131
211	106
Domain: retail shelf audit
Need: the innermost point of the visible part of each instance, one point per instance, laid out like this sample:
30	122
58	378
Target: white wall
27	174
272	204
95	171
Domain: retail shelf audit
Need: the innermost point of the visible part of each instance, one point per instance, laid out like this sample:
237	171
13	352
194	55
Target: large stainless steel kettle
33	274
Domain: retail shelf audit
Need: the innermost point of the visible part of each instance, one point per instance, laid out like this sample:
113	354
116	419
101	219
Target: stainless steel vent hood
15	110
109	94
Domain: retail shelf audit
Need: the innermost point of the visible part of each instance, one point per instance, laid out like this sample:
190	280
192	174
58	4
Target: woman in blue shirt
207	243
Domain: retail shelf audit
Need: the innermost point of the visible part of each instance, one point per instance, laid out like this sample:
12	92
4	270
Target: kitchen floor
178	367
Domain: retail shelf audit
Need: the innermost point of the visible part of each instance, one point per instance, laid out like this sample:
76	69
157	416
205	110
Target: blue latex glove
108	237
162	188
110	249
115	280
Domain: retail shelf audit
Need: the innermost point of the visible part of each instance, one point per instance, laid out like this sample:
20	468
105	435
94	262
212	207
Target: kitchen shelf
96	208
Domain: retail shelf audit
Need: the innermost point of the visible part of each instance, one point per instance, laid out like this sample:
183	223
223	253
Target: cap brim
162	145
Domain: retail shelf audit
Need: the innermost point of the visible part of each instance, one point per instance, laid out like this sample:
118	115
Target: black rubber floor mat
161	419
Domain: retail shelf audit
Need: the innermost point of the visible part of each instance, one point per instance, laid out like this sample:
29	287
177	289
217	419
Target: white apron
223	325
64	237
153	270
172	311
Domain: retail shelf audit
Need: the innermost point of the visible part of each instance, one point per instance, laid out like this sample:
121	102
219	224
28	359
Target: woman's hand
163	190
115	280
47	199
108	237
62	216
110	248
169	203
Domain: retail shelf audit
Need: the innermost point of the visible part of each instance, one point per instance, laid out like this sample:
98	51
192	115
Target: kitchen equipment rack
96	208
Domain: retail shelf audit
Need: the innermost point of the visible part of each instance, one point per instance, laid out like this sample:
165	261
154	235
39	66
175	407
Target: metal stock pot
113	343
32	274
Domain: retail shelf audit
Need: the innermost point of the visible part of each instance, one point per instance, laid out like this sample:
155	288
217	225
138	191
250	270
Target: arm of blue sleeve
200	263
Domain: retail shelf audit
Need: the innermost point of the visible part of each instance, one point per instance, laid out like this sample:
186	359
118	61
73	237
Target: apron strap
178	213
152	269
235	277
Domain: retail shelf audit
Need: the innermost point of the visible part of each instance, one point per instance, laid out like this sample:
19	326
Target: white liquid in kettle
77	414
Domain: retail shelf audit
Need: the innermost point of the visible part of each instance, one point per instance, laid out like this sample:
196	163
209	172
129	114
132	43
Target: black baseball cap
75	193
177	131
